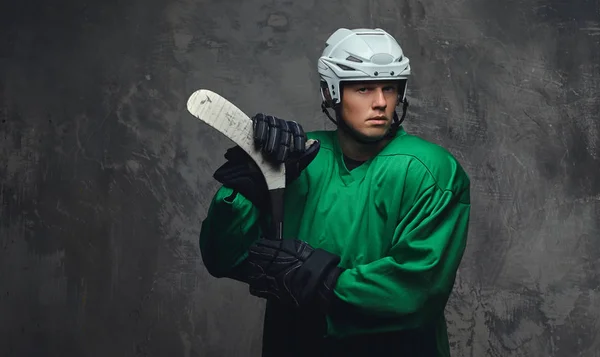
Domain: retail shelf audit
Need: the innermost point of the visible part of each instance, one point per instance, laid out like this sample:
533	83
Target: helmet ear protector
326	95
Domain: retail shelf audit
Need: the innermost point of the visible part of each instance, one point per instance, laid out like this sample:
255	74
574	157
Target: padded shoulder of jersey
421	156
437	161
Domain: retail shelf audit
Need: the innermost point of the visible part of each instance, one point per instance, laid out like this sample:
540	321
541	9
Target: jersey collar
349	177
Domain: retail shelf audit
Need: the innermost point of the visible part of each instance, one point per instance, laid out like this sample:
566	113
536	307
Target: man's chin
372	135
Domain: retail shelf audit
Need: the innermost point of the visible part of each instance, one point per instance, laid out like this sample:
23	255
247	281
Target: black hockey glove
241	174
280	141
293	272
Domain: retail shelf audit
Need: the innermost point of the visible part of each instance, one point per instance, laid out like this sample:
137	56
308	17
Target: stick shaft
277	212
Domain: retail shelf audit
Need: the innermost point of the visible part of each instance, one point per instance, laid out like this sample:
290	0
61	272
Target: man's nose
379	101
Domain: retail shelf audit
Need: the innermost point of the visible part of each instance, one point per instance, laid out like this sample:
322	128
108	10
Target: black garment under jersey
351	164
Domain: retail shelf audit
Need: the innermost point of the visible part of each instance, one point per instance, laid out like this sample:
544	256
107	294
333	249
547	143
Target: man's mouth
381	119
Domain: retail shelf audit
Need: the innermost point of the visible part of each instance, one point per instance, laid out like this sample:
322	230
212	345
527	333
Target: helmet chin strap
340	123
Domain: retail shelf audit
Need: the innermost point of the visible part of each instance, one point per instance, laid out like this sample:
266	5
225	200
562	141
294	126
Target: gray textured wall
105	178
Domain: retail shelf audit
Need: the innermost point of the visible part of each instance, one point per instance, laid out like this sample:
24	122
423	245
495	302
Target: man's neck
359	151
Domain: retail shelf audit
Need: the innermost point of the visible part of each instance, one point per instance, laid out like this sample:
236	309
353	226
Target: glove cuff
326	294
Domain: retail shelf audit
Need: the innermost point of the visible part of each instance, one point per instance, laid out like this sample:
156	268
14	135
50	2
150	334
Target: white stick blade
222	115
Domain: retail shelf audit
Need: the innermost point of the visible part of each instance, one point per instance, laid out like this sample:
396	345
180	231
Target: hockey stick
230	121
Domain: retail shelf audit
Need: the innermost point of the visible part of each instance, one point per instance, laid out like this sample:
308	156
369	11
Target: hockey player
376	219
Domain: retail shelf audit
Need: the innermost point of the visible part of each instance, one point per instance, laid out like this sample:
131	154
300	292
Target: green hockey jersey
399	222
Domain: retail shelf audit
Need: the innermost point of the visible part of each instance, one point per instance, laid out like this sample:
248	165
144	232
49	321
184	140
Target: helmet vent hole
353	59
345	68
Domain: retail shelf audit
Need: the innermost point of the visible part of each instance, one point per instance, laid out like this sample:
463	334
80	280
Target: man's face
368	107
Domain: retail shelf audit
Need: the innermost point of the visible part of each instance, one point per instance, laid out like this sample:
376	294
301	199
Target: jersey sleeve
232	224
410	286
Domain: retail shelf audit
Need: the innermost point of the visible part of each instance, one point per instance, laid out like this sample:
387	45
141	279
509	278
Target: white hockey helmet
360	55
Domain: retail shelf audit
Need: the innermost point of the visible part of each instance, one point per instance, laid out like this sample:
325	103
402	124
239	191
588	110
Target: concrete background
105	178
